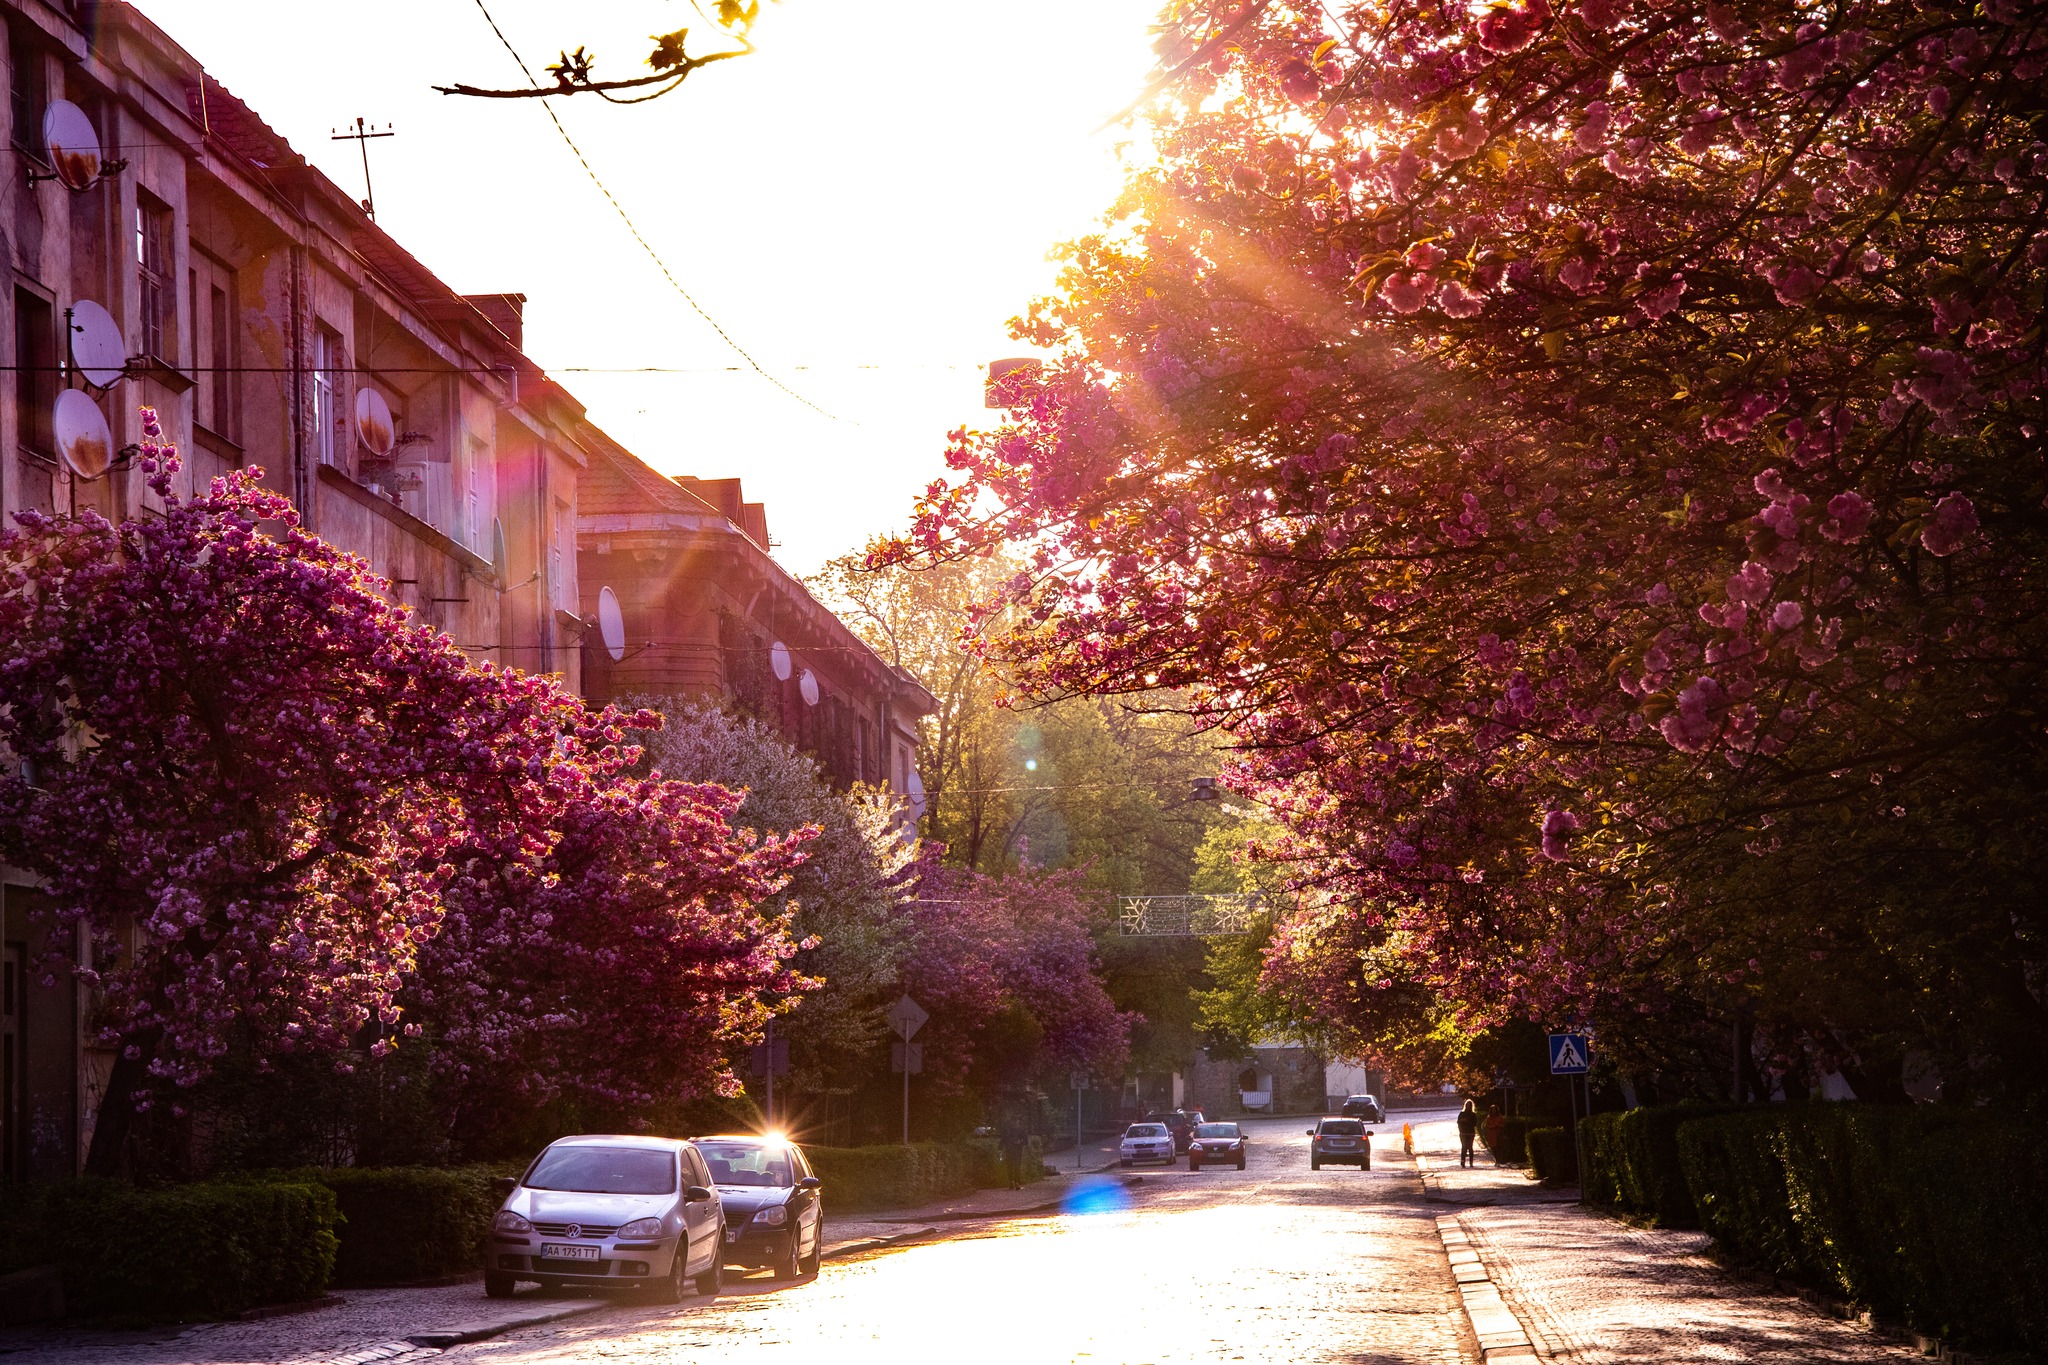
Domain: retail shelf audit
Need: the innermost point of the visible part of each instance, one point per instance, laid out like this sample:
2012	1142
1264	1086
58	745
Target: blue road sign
1571	1054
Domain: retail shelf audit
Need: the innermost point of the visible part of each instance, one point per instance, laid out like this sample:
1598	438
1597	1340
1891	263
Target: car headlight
641	1227
773	1217
508	1221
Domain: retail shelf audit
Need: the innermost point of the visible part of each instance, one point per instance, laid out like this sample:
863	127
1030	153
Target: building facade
272	324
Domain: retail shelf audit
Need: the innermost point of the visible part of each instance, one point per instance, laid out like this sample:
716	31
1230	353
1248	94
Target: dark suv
1363	1107
1181	1123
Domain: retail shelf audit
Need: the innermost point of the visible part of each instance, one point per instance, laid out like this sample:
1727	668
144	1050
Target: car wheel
1315	1163
713	1280
669	1288
1193	1164
789	1266
809	1264
498	1285
1240	1161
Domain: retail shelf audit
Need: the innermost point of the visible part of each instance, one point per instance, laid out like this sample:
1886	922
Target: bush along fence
1551	1158
861	1178
1932	1216
1507	1136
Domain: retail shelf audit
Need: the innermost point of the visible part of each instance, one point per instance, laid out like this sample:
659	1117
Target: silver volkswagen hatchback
606	1210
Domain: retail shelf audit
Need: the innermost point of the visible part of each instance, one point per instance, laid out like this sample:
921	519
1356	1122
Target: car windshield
605	1170
748	1163
1147	1130
1225	1130
1342	1127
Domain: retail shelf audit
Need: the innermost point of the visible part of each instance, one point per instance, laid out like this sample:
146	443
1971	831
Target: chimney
507	313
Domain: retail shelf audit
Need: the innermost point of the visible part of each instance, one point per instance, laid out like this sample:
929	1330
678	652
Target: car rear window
1215	1130
748	1163
1147	1130
605	1170
1343	1127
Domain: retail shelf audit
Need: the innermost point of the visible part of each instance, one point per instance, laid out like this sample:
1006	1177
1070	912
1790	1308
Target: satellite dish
916	794
82	435
373	423
1010	380
778	661
97	350
611	624
501	564
74	144
808	685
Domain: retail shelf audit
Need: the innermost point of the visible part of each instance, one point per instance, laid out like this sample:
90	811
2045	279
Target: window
327	447
159	285
468	528
35	370
217	405
558	539
29	93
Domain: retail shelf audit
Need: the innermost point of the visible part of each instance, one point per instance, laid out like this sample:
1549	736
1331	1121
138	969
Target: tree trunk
116	1119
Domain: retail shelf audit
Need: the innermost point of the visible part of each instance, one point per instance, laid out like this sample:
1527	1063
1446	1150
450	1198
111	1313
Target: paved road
1275	1263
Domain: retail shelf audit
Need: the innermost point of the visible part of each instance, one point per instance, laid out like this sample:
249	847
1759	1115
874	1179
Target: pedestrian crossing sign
1570	1054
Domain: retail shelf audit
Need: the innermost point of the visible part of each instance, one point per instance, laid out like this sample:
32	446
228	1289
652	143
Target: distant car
1344	1142
1146	1142
1365	1107
1182	1123
774	1205
1215	1144
608	1210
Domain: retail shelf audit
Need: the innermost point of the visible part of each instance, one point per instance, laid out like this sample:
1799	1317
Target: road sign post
770	1058
1080	1082
906	1017
1571	1056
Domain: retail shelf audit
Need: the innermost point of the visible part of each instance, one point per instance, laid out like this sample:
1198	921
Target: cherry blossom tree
249	782
1590	456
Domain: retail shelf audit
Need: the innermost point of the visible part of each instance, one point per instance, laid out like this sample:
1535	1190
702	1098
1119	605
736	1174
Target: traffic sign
906	1017
1081	1080
770	1058
1571	1054
906	1059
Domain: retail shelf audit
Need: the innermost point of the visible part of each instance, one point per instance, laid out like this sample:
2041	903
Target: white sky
877	186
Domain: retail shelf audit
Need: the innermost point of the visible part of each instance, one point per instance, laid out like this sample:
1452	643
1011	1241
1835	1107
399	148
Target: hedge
858	1178
1551	1156
205	1250
1507	1136
1932	1215
1632	1161
405	1223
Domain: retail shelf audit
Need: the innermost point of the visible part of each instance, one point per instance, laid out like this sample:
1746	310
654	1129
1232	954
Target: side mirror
503	1185
1368	1132
696	1194
1310	1131
809	1182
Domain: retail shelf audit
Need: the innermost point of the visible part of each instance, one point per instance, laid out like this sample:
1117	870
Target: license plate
555	1251
732	1234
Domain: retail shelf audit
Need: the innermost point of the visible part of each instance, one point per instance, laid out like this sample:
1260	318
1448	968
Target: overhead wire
633	228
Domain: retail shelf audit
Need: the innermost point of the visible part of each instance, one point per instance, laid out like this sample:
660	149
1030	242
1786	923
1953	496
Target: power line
627	219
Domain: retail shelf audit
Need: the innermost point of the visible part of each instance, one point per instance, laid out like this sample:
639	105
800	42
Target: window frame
156	277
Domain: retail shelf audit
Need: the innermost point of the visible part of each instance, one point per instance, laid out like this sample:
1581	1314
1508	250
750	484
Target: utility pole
361	137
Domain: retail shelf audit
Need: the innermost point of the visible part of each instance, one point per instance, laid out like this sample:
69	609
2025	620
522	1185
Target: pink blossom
1849	515
1750	585
1405	293
1558	827
1511	27
1955	517
1459	302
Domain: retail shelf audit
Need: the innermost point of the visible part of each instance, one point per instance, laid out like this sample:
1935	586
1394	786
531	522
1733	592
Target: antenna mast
361	137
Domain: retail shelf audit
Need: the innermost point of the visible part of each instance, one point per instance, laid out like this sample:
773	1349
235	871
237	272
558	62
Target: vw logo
573	1230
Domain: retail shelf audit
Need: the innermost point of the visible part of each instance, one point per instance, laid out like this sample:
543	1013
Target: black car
774	1205
1363	1107
1181	1123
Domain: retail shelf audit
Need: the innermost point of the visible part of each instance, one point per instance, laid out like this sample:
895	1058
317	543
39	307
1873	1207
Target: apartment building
166	248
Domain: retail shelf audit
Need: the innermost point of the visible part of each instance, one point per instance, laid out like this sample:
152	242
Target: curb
857	1246
441	1338
282	1310
1502	1338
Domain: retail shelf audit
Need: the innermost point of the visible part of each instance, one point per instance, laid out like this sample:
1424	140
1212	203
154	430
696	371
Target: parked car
1146	1142
1215	1144
774	1208
1365	1107
1343	1141
1182	1123
609	1210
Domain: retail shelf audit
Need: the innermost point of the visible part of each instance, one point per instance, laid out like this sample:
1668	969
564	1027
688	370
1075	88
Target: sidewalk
1586	1288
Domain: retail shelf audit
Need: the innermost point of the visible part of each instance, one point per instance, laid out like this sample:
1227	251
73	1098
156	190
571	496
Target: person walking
1468	1132
1012	1138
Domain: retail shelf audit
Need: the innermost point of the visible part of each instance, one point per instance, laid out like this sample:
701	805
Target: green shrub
405	1223
1937	1216
858	1178
1551	1156
205	1250
1507	1136
1632	1161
